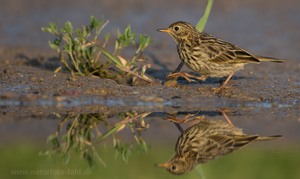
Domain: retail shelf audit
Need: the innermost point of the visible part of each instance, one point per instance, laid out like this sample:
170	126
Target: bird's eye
173	167
176	28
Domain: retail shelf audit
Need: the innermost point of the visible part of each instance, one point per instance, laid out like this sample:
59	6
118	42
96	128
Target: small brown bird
206	140
210	56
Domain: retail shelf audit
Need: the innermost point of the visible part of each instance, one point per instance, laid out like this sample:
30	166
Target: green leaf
55	44
127	38
124	150
202	22
46	29
54	141
50	29
95	23
115	129
144	41
106	37
68	28
110	57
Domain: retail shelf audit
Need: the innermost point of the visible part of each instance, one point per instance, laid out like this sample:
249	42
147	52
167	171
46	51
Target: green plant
81	51
78	134
202	21
136	123
74	135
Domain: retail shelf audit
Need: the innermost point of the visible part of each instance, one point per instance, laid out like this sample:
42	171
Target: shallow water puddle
91	130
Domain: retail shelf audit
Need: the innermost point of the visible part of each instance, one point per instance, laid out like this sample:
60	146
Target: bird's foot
219	89
186	76
173	118
187	118
224	84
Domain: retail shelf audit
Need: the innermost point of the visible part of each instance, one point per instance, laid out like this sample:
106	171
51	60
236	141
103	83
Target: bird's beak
163	165
164	30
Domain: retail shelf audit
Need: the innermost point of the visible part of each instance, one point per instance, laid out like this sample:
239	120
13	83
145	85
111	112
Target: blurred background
272	23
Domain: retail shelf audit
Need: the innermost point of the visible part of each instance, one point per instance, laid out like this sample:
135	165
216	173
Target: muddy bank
27	74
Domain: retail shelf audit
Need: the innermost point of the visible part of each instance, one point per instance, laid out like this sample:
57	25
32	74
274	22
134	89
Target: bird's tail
262	138
269	59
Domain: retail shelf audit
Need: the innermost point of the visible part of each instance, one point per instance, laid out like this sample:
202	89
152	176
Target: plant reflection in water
78	133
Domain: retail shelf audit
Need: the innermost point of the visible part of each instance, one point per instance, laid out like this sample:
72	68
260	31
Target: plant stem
202	22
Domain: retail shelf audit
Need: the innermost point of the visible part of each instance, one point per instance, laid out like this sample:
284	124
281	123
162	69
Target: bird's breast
193	58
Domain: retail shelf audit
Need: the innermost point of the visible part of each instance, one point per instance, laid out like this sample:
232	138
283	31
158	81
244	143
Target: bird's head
177	166
180	30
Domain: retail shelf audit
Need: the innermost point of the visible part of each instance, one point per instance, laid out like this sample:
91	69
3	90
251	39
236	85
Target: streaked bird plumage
205	141
208	55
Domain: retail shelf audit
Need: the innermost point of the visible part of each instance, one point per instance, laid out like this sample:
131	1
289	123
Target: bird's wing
224	144
207	148
220	51
231	143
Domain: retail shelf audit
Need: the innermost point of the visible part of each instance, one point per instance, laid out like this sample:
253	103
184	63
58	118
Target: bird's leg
179	127
225	116
225	82
179	67
172	118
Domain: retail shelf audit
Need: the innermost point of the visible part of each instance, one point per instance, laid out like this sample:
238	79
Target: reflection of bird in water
206	140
